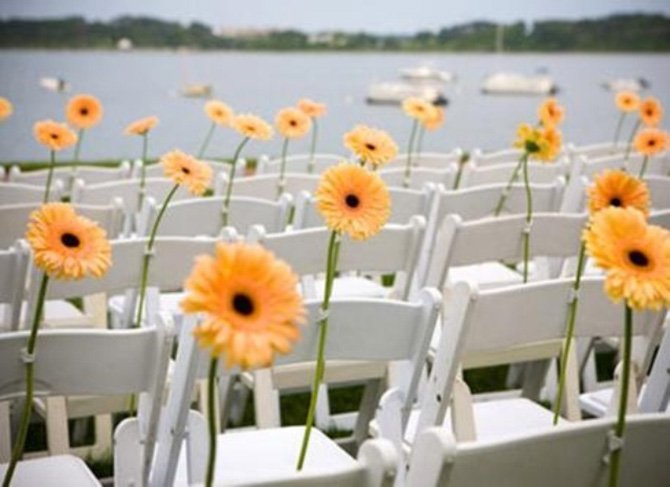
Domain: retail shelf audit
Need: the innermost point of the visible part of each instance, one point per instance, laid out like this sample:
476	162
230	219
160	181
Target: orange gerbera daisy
436	121
219	113
619	189
141	126
311	108
419	109
187	170
627	101
6	108
83	111
551	112
371	145
635	255
250	301
66	245
353	200
650	141
56	136
293	123
651	112
252	126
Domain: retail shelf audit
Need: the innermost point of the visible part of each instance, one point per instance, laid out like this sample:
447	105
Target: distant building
124	44
243	32
332	39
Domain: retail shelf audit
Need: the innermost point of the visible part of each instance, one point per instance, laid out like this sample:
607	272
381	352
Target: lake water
137	84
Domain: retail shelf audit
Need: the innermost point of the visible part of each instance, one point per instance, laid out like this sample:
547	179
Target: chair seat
275	451
487	275
597	402
58	313
500	419
54	471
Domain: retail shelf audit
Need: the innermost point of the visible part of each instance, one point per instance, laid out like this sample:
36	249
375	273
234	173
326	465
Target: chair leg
238	404
5	435
58	439
322	416
266	400
371	394
534	376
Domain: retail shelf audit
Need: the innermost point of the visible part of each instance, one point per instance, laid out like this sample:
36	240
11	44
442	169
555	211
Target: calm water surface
137	84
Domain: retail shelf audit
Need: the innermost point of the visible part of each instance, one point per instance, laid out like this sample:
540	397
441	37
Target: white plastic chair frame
298	163
16	193
14	270
267	186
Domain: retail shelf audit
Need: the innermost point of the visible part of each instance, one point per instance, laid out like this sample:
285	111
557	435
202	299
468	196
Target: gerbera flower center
185	170
370	146
293	123
70	240
84	111
638	258
352	201
54	136
243	304
616	201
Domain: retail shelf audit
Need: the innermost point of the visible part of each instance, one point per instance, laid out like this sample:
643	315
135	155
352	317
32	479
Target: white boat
396	92
58	85
427	73
196	91
519	84
627	84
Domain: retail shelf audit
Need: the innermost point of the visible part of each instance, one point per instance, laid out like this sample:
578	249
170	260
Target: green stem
205	143
147	255
282	168
617	132
636	127
211	420
77	148
312	147
529	218
408	167
505	193
17	451
419	142
570	331
333	253
50	175
459	175
615	457
643	169
143	174
231	179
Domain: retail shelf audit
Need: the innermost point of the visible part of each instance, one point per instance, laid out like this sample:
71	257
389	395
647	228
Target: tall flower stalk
650	113
313	110
142	127
220	114
626	102
65	246
421	112
82	112
354	201
56	137
291	123
649	142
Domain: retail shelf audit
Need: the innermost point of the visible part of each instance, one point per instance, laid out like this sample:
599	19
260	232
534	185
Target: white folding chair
538	173
298	163
14	270
267	186
436	160
87	362
360	330
204	216
655	394
600	149
504	325
590	167
91	174
492	158
659	188
571	454
14	193
38	177
419	176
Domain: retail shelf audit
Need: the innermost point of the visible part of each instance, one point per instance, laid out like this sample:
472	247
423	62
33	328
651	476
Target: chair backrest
486	327
299	163
360	329
266	186
569	454
590	167
538	173
436	160
203	216
460	243
13	193
97	174
14	270
157	170
395	249
480	202
38	177
655	396
659	188
405	203
419	176
503	156
14	219
660	218
600	149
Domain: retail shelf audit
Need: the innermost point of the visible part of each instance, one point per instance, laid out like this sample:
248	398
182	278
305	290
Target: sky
380	16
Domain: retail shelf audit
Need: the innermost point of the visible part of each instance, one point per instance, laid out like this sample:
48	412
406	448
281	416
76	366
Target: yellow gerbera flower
543	143
56	136
252	126
6	108
311	108
635	255
419	109
141	126
619	189
83	111
66	245
627	101
353	200
251	304
187	170
551	112
650	141
371	145
219	113
292	123
651	112
436	121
